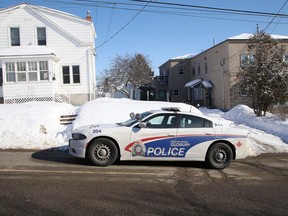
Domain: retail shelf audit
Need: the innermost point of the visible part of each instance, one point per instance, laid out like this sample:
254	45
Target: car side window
190	121
162	121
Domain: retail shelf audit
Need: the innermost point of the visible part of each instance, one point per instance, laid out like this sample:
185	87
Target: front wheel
219	156
102	152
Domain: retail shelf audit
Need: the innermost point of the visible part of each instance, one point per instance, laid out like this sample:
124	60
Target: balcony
161	80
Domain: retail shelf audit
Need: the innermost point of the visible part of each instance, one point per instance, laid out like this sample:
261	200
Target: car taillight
77	136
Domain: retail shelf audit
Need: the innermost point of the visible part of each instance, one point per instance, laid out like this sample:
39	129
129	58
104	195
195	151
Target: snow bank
34	125
242	114
37	125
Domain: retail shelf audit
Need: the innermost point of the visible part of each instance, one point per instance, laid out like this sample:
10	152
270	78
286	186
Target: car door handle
171	135
208	134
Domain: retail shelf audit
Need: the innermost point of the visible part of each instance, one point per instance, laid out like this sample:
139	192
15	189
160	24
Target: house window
285	57
193	71
44	72
41	36
199	69
197	94
10	71
66	75
21	71
176	92
246	59
181	71
206	68
243	92
71	74
15	36
26	71
1	77
32	71
76	74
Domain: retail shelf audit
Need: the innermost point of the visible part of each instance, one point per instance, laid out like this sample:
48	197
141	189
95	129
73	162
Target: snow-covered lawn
36	125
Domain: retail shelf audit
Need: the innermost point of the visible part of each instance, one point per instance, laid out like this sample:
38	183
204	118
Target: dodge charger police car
166	134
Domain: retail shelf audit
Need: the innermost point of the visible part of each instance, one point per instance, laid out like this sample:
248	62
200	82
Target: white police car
166	134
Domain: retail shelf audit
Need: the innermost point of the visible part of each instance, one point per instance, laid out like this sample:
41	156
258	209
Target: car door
194	136
154	140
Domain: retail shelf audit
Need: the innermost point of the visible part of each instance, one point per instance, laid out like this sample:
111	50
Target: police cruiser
166	134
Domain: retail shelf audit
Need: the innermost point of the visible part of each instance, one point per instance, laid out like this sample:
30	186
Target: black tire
102	152
219	156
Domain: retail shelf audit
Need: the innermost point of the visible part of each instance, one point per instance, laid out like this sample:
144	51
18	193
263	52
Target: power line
121	29
246	12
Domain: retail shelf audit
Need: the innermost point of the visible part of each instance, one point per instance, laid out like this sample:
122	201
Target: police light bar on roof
174	109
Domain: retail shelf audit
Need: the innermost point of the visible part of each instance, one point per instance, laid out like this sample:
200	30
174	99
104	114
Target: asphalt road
54	183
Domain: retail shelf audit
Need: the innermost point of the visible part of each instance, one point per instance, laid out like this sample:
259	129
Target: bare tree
264	76
126	69
140	72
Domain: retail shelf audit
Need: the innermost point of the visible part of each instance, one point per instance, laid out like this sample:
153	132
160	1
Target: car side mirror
142	125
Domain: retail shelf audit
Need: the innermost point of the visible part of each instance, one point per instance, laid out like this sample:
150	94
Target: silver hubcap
102	152
220	156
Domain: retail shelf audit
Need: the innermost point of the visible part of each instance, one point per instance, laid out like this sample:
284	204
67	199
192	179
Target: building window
41	36
26	71
10	71
181	71
246	59
21	71
1	77
176	92
285	57
76	74
197	94
44	72
71	74
15	36
193	71
32	71
206	68
66	75
199	69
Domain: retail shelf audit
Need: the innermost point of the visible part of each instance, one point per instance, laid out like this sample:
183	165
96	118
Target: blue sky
162	33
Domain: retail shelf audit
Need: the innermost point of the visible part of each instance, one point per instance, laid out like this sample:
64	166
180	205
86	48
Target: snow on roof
187	56
246	36
25	51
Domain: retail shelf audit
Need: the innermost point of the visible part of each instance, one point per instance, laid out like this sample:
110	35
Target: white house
46	55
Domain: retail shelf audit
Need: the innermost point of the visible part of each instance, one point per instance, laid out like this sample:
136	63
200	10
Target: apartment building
210	78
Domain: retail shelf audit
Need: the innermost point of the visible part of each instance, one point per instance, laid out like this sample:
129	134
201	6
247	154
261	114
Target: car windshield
132	121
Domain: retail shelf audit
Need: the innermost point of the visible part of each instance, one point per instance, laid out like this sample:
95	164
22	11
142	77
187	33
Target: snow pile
37	125
34	125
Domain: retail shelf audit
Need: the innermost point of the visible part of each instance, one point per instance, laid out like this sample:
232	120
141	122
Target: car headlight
78	136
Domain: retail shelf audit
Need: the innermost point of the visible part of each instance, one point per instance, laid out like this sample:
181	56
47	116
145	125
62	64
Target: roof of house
246	36
40	10
27	51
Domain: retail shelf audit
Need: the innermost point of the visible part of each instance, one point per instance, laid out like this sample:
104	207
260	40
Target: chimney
88	16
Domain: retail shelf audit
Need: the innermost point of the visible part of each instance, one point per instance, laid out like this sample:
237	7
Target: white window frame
246	59
10	36
71	75
23	71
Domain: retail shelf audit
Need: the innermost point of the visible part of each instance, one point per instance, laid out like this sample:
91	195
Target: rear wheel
102	152
219	156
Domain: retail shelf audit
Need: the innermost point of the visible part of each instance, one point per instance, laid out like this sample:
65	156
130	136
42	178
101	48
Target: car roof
178	111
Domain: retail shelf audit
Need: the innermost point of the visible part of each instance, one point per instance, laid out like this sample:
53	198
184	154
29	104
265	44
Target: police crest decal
138	149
